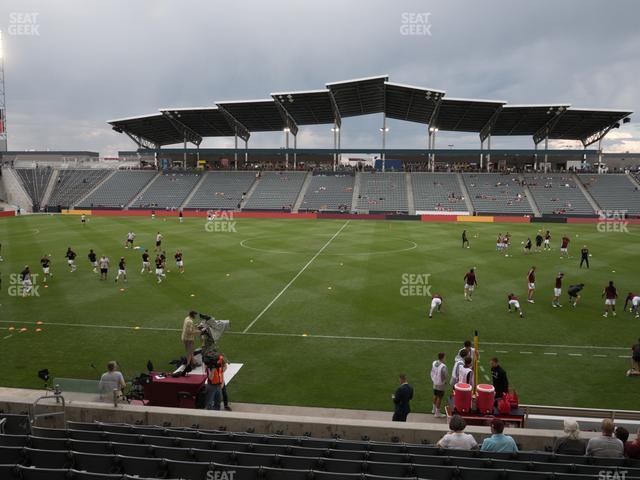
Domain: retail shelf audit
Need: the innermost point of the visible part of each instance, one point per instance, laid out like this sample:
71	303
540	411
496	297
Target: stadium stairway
410	202
50	186
303	191
15	192
465	193
585	192
252	189
144	189
532	201
356	191
634	180
193	190
90	192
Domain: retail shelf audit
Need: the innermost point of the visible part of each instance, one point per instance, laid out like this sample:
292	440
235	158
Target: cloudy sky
72	65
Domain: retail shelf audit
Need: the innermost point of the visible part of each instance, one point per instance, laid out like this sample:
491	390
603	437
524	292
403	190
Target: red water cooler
462	397
485	399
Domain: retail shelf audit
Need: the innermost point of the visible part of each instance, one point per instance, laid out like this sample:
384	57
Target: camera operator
215	381
189	332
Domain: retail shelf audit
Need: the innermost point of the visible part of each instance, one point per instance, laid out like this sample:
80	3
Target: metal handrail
596	413
57	395
2	422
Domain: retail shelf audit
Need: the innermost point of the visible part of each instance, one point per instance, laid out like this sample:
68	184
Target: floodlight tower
3	110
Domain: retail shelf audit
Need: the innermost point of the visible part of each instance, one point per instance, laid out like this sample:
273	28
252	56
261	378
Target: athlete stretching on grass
436	304
635	303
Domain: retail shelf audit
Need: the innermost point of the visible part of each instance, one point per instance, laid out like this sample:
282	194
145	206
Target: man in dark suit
401	399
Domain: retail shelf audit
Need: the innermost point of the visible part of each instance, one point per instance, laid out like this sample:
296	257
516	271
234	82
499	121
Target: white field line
326	337
286	287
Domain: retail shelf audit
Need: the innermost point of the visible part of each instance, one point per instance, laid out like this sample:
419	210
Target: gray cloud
97	60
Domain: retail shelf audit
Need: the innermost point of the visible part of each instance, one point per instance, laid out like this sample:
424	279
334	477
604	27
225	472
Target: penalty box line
286	287
331	337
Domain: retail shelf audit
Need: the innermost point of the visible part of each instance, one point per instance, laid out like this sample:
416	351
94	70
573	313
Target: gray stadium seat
329	192
35	181
119	190
16	424
276	191
169	190
496	193
188	470
72	185
383	192
613	191
13	440
557	194
221	190
48	458
437	192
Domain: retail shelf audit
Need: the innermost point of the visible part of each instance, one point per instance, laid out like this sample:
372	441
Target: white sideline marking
325	337
526	353
598	355
275	299
550	353
8	336
575	354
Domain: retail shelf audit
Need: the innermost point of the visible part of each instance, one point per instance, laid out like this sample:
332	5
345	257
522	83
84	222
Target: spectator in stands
571	443
498	441
606	445
622	434
632	449
456	438
189	332
402	399
111	380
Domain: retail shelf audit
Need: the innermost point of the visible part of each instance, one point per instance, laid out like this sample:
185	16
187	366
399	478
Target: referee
584	256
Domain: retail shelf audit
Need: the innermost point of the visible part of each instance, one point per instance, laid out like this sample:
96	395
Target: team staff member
439	378
402	399
584	256
499	376
465	240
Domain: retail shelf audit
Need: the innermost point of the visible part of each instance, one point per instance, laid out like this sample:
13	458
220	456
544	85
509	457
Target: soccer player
93	260
557	291
470	283
465	240
499	244
83	219
153	214
609	294
436	304
547	240
163	257
538	241
584	256
46	266
146	264
159	269
25	276
506	240
104	267
122	270
179	261
512	301
635	303
129	242
158	242
180	217
564	246
527	246
531	284
1	259
71	259
574	293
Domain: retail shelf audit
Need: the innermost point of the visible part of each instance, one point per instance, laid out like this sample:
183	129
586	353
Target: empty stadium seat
168	190
437	192
496	193
72	185
35	181
383	192
613	191
15	424
221	190
119	189
329	193
276	191
557	194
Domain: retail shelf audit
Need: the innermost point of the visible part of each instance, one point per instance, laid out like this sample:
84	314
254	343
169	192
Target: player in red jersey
470	283
436	304
512	301
547	240
531	284
557	290
609	294
635	303
564	246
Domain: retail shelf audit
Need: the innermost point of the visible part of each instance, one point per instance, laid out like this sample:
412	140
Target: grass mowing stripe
286	287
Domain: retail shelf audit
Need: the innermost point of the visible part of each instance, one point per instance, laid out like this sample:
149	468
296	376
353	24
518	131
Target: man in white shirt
111	380
459	363
465	373
439	378
456	438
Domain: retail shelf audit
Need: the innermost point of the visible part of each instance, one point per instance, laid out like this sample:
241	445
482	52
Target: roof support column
335	130
246	152
339	147
481	154
184	153
600	167
488	152
535	157
546	153
433	150
384	140
295	151
235	152
286	148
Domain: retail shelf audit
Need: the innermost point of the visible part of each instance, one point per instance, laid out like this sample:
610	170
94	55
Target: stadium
355	275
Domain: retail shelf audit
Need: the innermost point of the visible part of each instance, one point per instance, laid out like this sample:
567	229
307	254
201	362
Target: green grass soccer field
319	309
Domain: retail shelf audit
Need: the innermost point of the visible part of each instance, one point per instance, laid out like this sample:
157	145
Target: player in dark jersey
93	260
470	283
179	261
531	284
547	240
557	290
159	268
122	270
71	259
180	216
25	277
527	246
146	264
609	294
45	261
635	303
465	240
538	241
163	257
564	246
574	293
584	256
512	301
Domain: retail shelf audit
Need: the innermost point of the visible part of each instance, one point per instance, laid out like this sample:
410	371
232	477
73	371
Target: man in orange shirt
215	382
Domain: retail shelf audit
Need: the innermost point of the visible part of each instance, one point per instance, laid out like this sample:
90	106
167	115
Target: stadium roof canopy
312	107
365	96
259	115
148	131
362	96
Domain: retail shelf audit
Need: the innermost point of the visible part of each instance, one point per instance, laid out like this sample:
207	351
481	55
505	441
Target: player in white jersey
512	301
159	242
436	304
129	242
635	303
